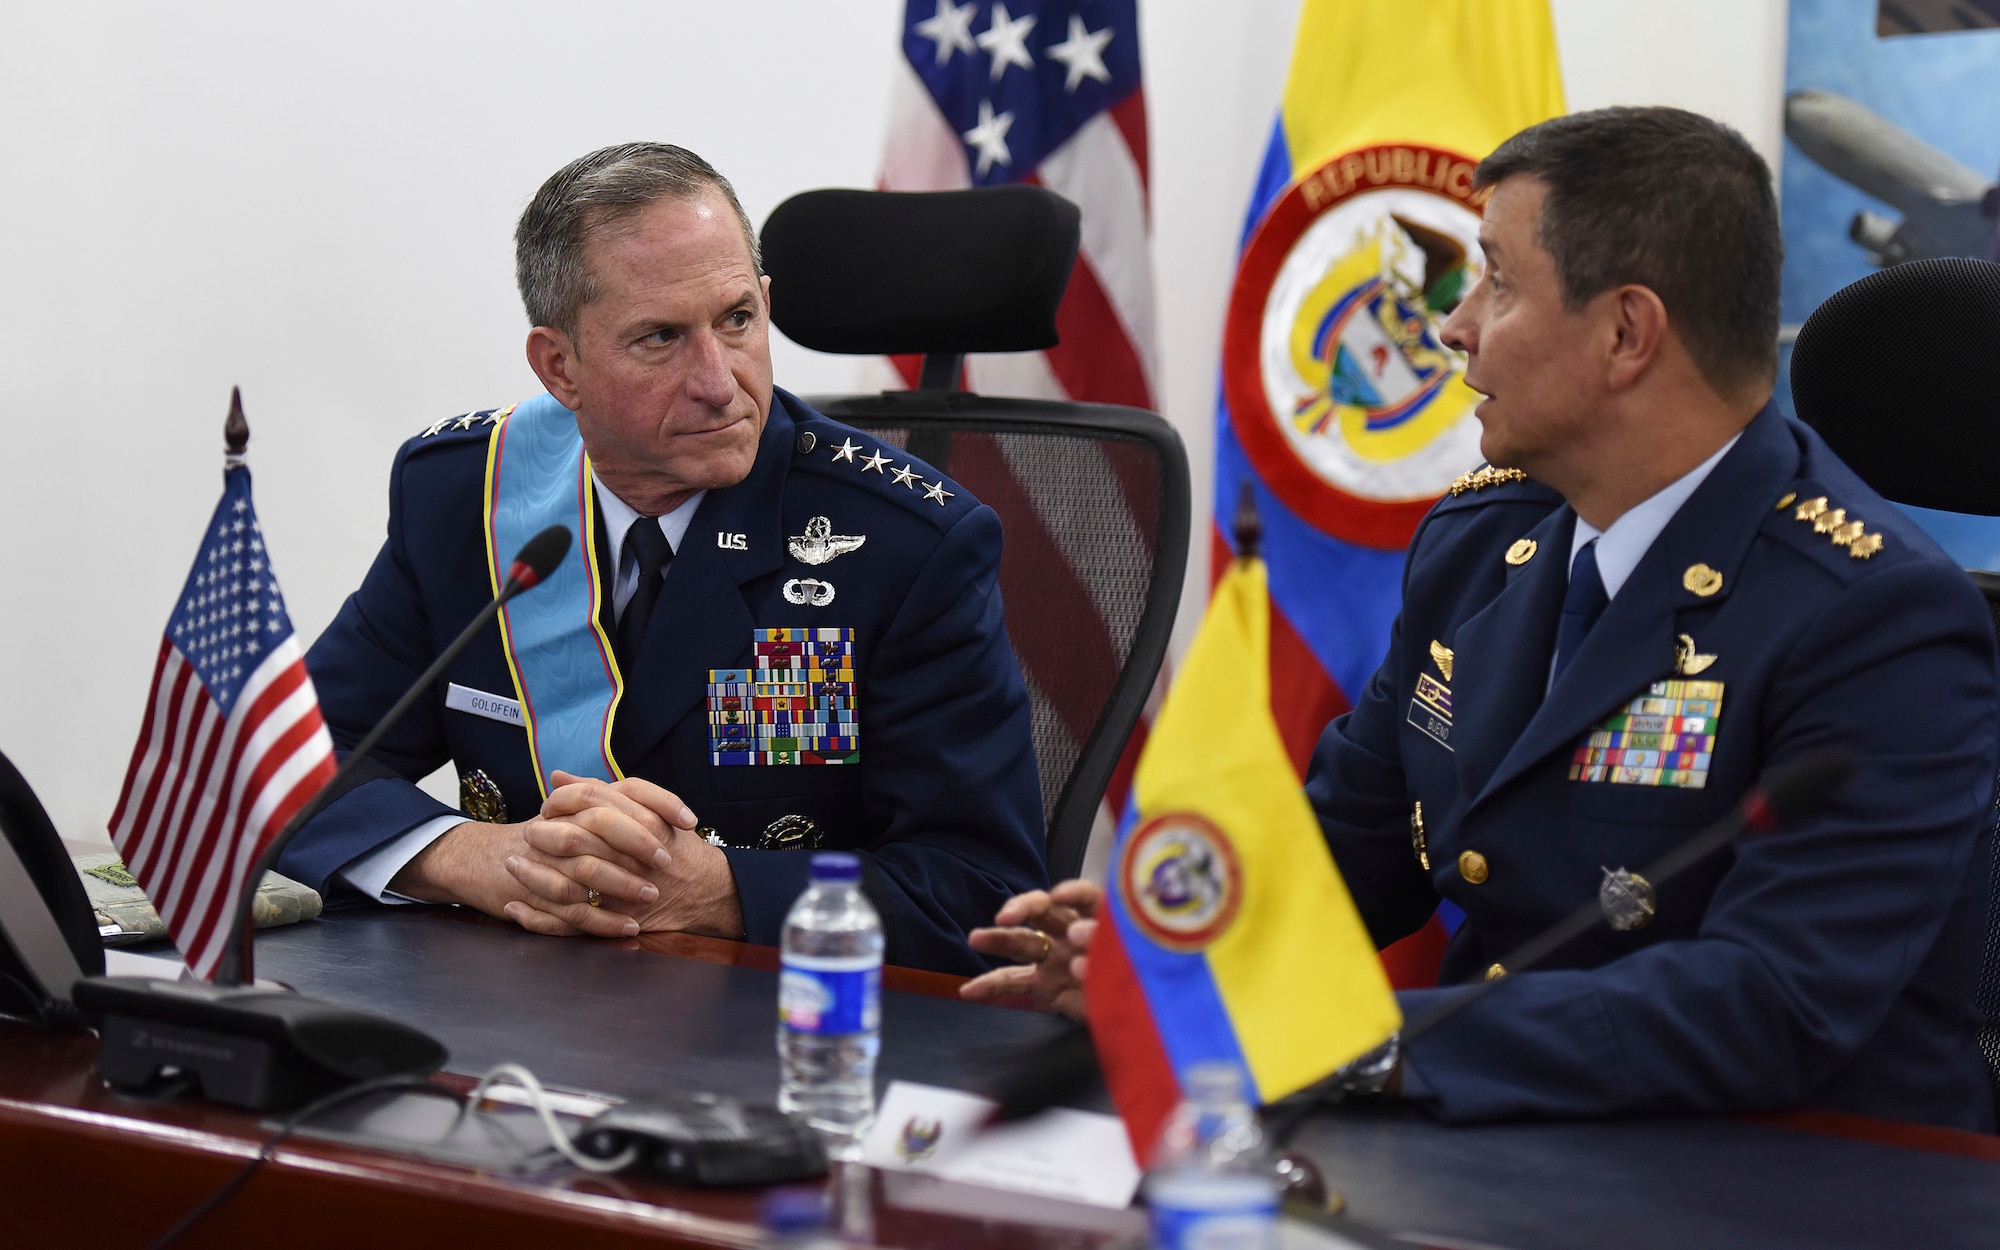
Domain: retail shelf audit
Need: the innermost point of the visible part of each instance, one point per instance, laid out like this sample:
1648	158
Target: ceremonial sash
538	475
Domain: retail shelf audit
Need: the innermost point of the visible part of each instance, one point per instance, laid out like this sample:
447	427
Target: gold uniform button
1495	972
1472	866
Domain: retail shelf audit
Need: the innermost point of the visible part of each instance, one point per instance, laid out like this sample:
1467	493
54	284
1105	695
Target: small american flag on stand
232	744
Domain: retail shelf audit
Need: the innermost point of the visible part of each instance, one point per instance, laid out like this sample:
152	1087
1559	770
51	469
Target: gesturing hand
1045	932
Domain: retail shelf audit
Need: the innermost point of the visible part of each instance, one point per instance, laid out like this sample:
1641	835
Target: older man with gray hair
775	633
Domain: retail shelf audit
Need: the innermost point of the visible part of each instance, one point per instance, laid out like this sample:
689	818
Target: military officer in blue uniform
773	634
1668	588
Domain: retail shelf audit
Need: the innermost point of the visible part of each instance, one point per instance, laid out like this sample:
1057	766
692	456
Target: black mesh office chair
1093	498
1896	373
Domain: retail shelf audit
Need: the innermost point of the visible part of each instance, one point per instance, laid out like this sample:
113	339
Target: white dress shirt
1620	548
371	873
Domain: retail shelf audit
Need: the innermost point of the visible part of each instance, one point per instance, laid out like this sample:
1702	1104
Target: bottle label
1231	1228
830	994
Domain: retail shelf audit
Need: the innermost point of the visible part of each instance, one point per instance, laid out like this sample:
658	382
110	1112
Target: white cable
539	1097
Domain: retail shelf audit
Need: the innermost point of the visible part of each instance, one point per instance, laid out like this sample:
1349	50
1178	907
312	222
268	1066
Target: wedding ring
1048	944
596	899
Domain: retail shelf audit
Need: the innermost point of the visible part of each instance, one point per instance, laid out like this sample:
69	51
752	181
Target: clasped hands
630	841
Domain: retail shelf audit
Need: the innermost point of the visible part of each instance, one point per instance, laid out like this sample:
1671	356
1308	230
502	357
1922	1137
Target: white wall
317	203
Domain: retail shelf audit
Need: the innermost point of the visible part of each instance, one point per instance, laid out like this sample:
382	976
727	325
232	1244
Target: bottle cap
835	866
794	1210
1213	1084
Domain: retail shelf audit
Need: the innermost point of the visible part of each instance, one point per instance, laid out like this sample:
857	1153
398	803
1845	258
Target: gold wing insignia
1442	654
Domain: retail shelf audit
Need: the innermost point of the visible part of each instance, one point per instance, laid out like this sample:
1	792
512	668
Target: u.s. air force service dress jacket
1785	607
943	802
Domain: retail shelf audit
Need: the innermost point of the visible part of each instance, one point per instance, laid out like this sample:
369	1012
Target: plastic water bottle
1212	1186
830	1005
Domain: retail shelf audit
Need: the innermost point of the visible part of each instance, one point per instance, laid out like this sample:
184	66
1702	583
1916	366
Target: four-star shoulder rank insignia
819	543
1842	530
1484	476
906	477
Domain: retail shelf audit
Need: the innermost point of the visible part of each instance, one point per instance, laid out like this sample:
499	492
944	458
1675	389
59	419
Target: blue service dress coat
943	806
1830	963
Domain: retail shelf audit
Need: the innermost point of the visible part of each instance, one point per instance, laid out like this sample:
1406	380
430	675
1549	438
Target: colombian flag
1339	403
1227	934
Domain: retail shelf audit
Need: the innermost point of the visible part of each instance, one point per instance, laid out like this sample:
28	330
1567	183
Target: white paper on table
1078	1156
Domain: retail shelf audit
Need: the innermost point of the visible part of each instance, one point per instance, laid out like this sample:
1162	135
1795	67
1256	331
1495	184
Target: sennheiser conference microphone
267	1048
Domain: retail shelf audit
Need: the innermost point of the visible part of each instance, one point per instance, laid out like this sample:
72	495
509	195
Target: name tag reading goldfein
492	706
1430	709
1665	737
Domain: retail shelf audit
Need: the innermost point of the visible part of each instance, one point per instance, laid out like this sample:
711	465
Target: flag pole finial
1248	527
236	428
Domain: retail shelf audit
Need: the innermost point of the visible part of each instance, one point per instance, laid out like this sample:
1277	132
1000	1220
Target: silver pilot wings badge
819	544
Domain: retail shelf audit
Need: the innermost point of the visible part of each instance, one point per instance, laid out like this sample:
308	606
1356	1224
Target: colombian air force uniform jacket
1785	607
942	802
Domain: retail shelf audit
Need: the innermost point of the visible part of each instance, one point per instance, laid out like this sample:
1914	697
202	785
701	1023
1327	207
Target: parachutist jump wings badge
819	543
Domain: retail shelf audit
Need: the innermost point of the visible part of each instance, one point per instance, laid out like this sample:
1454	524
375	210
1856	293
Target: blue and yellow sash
538	475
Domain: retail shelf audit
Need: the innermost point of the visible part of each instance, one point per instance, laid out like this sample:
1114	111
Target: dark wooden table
80	1165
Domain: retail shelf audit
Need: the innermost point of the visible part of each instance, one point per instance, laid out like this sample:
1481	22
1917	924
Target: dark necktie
650	550
1583	603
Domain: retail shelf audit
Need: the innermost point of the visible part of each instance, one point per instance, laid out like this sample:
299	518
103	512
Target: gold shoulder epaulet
1484	476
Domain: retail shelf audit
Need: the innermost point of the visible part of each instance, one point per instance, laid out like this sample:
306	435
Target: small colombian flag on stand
1228	934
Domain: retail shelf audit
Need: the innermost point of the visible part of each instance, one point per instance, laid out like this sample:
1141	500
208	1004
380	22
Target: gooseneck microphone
265	1048
537	558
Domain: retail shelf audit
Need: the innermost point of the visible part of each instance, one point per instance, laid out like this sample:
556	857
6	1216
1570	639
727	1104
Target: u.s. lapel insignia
1522	551
1441	654
480	799
820	544
1701	580
808	592
1686	662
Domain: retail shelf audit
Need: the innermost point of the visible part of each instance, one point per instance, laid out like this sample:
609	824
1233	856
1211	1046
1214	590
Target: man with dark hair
1658	589
655	737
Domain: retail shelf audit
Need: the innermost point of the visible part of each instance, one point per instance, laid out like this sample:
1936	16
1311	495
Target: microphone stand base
245	1046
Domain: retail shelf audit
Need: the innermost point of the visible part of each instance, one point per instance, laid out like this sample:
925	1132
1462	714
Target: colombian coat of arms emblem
1340	391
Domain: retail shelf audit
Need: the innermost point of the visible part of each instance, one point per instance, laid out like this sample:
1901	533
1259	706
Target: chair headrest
1898	373
866	273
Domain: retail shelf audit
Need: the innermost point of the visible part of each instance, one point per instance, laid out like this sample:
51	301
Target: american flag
1045	92
232	745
